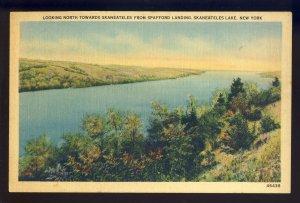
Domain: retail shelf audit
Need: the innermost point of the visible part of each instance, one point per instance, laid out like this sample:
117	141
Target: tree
209	127
251	93
115	125
132	139
178	152
220	106
236	88
191	113
221	100
253	114
115	120
239	103
94	125
241	138
39	152
276	82
160	119
80	153
268	124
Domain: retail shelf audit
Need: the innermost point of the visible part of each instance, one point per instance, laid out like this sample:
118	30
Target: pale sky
214	45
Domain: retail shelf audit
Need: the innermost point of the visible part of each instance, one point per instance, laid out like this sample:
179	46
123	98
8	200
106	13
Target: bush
253	115
268	124
266	97
178	152
261	165
207	158
241	138
39	153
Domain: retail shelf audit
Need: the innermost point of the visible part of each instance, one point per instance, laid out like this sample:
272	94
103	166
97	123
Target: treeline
180	144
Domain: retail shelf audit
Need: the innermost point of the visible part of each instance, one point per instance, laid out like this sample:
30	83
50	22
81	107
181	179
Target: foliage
268	124
132	139
240	135
266	97
228	140
207	158
276	82
59	173
237	87
254	114
80	154
94	125
257	165
221	100
39	153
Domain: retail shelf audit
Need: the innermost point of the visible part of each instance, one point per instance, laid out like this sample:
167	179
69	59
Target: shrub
253	115
207	158
276	82
178	152
266	97
268	124
238	103
261	165
239	132
59	173
93	125
39	153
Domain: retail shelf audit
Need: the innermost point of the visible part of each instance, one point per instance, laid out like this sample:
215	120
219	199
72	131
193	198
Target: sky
200	45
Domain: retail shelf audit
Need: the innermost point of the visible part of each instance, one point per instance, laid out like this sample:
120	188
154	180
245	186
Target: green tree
221	100
236	88
191	113
209	127
132	138
178	152
115	125
80	154
240	135
239	103
160	118
94	125
276	82
268	124
39	154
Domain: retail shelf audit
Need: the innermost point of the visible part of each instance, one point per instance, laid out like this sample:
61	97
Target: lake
56	112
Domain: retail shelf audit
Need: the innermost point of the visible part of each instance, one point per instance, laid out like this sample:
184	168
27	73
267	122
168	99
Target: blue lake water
56	112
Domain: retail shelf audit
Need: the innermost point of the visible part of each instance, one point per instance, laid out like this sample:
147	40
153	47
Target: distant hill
271	74
44	74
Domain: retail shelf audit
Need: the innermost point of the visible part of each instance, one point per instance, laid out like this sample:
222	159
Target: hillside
261	163
42	74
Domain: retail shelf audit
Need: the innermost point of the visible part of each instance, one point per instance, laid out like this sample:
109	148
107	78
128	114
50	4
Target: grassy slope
40	74
259	164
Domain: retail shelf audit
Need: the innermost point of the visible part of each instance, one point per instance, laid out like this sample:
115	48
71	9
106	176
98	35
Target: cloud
181	51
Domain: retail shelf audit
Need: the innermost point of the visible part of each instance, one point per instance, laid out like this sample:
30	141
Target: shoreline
36	75
116	83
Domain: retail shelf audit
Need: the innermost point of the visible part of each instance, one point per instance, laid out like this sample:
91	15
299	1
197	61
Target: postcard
150	102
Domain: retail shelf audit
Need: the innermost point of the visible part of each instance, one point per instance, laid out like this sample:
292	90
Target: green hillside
261	163
42	74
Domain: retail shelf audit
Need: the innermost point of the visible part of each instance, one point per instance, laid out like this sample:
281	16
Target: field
42	74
